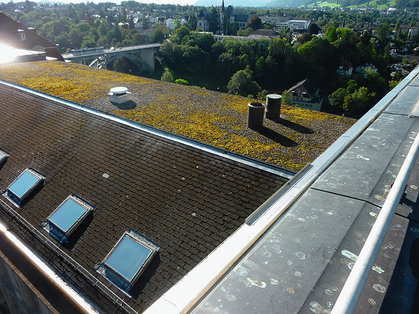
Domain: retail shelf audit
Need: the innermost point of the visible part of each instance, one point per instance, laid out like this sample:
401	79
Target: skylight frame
87	210
13	195
115	275
3	156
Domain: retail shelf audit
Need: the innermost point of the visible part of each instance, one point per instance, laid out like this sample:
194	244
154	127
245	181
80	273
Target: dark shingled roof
182	198
306	85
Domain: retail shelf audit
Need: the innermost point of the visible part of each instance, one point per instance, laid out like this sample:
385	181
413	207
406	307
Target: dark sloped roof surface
182	198
309	85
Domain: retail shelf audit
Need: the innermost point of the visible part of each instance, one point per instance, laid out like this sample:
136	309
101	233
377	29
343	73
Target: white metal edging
357	279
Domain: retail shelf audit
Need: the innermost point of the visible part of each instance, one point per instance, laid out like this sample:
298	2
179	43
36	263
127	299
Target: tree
131	22
167	76
144	23
182	82
213	20
179	35
304	38
193	21
177	24
286	98
313	29
254	22
138	39
337	97
157	35
119	64
241	83
103	29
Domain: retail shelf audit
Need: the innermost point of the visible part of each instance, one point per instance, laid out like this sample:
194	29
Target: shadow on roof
274	136
32	194
145	277
80	230
2	163
126	105
294	126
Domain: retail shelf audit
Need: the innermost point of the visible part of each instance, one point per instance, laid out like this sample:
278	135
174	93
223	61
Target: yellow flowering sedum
214	118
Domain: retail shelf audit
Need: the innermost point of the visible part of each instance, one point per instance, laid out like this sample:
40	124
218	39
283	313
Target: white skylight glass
69	214
23	185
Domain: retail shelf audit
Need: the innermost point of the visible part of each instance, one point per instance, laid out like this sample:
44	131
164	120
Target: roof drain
355	283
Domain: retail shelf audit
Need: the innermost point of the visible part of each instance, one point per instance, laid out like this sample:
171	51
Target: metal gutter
185	294
163	134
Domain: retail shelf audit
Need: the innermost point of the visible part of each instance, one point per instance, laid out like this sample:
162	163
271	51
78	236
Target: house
170	23
264	33
26	43
202	21
367	68
305	94
345	69
225	14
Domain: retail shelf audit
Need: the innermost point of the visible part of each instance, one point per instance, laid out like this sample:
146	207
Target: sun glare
7	54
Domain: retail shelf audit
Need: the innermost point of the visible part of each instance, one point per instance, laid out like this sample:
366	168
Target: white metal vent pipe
354	285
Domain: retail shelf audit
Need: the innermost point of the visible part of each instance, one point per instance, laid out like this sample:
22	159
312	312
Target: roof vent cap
119	95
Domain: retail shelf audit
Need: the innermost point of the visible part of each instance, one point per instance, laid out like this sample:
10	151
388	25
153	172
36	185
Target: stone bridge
142	56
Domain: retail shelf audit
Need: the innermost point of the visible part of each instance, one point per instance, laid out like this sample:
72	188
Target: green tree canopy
254	22
167	76
241	83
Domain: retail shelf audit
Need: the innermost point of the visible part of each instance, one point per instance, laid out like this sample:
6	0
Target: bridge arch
139	62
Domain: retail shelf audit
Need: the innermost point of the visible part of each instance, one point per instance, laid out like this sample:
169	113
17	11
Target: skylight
3	156
23	186
67	217
127	260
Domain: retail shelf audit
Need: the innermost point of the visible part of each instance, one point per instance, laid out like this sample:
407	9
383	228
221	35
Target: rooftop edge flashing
182	297
163	134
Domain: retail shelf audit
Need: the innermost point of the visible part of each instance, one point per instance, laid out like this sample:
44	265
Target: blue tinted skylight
69	214
127	260
23	185
3	156
127	257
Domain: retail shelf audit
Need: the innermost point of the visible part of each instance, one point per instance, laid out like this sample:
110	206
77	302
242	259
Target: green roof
211	117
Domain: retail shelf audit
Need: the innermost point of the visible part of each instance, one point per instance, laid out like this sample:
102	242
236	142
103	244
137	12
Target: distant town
338	60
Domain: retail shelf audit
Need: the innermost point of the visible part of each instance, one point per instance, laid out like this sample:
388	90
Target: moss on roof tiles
214	118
